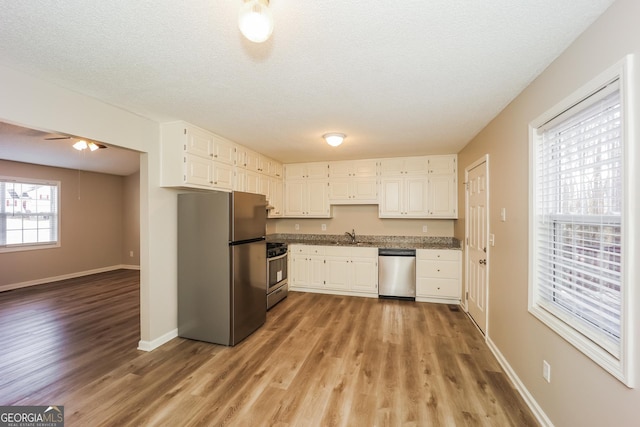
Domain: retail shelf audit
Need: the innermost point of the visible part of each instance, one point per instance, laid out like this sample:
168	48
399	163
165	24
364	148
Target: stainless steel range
277	283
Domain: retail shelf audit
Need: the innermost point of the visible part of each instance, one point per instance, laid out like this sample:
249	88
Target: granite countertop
368	241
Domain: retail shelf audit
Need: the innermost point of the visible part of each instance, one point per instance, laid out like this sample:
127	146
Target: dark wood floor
320	360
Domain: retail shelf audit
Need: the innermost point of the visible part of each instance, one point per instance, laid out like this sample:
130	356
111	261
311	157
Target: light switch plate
546	371
503	215
492	239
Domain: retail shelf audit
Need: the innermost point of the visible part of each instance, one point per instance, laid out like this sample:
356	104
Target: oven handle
277	257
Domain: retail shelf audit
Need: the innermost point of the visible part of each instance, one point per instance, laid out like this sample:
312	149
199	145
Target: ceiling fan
81	144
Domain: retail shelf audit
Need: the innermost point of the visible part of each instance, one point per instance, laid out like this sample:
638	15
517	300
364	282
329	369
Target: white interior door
477	196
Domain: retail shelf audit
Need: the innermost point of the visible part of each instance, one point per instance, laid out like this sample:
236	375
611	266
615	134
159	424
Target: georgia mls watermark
31	416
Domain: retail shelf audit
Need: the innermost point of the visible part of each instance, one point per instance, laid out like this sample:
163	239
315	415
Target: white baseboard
450	301
528	398
152	345
35	282
333	292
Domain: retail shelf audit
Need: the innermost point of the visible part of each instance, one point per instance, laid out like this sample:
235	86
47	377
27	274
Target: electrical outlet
424	228
546	371
324	227
131	254
297	227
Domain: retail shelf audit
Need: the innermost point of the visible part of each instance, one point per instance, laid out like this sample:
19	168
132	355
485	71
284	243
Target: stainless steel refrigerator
222	278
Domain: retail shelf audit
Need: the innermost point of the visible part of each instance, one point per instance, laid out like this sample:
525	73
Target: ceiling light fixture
255	20
334	139
83	145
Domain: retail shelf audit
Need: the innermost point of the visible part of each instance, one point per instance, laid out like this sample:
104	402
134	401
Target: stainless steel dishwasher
397	273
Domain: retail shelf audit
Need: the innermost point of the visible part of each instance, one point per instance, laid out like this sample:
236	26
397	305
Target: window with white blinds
28	214
577	225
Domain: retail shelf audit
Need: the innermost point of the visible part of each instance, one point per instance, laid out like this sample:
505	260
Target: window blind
578	226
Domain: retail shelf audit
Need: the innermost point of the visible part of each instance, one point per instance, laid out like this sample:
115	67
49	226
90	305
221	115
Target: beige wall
131	220
34	103
580	393
364	220
92	226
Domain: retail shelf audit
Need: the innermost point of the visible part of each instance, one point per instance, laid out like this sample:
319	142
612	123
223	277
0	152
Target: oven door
276	272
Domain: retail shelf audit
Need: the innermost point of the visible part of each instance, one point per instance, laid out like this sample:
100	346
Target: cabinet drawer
297	249
437	269
435	254
338	251
438	288
315	250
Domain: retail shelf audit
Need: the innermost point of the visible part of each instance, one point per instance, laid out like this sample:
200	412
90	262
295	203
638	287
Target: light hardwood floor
320	360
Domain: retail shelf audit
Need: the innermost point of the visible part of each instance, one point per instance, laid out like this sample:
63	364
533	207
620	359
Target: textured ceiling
399	78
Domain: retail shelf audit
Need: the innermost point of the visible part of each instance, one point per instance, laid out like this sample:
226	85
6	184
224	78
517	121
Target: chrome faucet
352	235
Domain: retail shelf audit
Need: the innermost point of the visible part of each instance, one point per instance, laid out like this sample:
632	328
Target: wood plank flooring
320	360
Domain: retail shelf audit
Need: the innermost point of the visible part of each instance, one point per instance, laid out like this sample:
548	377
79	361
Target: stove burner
276	249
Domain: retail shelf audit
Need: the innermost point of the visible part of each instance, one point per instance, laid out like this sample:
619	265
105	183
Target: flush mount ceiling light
334	139
255	20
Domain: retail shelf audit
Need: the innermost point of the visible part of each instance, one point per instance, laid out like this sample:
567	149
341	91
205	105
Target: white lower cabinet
364	272
341	270
438	275
306	264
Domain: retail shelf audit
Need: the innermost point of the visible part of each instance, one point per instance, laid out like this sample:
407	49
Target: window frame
37	245
620	365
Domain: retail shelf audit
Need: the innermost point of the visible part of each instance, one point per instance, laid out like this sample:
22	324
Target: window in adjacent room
580	274
29	214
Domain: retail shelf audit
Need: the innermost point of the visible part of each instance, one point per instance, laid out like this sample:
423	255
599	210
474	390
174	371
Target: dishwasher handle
396	252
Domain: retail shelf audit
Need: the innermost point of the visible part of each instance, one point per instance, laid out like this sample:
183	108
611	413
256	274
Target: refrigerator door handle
242	242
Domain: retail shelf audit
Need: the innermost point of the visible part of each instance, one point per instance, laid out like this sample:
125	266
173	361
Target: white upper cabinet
418	187
306	198
189	158
198	142
277	169
195	158
403	197
443	190
222	176
403	188
306	190
198	170
248	159
307	171
442	165
276	197
353	182
224	151
404	166
353	168
443	200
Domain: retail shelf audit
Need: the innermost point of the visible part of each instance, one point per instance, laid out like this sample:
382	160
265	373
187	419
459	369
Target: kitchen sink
337	243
